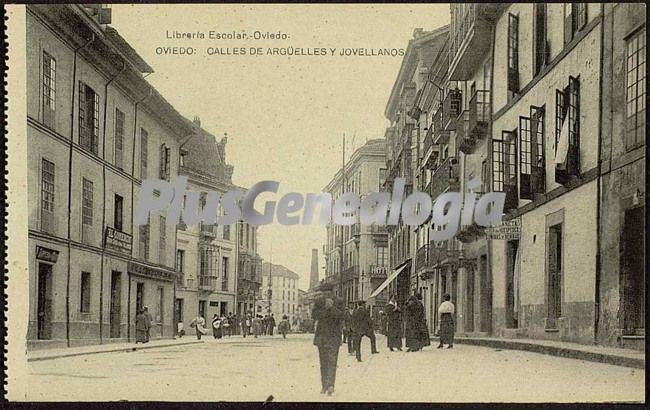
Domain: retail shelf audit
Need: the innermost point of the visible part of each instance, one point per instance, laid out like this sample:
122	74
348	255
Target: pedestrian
257	325
271	324
446	327
246	324
140	327
225	324
180	329
347	329
199	324
417	335
284	326
217	330
265	324
394	325
148	322
328	314
362	326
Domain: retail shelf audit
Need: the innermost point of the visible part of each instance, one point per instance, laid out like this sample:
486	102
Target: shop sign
118	239
149	272
45	254
506	230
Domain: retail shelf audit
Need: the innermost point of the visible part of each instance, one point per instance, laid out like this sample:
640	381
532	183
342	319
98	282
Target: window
181	159
540	45
575	19
538	156
240	228
180	260
485	182
504	169
144	153
381	256
293	308
118	213
224	277
162	249
165	153
161	305
88	118
226	232
567	144
47	193
84	293
513	55
144	239
636	59
49	90
119	138
497	165
87	202
139	296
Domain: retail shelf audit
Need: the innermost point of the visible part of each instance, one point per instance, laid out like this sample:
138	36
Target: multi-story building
206	254
249	275
414	96
544	156
95	130
620	291
282	284
356	256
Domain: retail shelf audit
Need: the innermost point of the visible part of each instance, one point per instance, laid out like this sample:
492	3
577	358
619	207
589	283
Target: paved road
252	369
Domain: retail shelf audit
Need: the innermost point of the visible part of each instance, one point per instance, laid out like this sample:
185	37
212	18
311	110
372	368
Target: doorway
44	302
115	308
485	313
202	308
632	272
139	296
469	307
178	310
511	261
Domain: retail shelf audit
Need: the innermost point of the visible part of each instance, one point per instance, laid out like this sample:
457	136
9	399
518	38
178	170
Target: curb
114	350
555	351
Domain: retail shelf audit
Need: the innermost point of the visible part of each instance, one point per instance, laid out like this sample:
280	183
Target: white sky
285	116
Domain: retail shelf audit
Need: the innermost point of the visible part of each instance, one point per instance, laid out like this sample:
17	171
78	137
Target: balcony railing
446	177
464	140
479	114
451	107
470	36
207	282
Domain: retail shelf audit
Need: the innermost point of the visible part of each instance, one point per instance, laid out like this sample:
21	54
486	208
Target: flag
562	148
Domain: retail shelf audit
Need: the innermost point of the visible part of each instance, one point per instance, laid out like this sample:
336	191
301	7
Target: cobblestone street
238	369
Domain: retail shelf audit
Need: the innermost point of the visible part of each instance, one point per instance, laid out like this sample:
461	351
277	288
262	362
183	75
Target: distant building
284	292
356	256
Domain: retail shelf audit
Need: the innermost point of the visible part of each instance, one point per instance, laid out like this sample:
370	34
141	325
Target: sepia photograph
277	203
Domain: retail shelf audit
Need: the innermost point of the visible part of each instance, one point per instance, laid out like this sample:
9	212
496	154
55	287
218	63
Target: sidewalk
592	353
49	354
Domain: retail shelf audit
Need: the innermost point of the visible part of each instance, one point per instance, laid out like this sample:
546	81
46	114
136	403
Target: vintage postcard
326	202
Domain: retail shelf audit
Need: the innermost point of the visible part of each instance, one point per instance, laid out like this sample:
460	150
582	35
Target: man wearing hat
362	326
328	314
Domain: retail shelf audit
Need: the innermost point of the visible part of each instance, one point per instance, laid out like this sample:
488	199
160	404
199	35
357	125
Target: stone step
633	342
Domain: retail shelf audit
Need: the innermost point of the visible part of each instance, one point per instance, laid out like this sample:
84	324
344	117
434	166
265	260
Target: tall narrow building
313	277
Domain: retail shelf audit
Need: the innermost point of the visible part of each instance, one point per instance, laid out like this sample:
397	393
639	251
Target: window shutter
538	158
573	158
525	158
95	124
510	169
568	23
162	161
82	114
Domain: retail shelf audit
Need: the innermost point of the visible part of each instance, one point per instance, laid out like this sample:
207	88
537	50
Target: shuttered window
88	118
119	138
567	108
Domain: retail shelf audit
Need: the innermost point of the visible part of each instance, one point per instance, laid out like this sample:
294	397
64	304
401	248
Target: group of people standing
143	321
228	325
357	323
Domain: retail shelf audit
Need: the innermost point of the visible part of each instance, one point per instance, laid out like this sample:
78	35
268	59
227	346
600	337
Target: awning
388	280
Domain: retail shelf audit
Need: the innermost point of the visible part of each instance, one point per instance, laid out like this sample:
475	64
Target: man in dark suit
362	326
347	329
328	314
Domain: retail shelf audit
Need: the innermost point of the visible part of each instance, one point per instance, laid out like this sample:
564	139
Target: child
284	326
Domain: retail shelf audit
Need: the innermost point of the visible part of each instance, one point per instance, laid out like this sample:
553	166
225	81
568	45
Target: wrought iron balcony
479	114
451	107
445	178
464	140
207	282
470	36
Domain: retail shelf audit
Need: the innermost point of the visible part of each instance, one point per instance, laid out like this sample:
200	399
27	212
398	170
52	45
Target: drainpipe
599	179
135	130
67	290
101	272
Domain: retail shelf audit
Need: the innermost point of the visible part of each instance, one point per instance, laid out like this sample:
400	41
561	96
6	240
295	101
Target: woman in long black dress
394	325
417	334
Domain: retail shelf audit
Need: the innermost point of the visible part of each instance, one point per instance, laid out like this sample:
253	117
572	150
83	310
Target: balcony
479	114
355	229
445	178
470	36
464	141
451	107
207	230
350	273
207	283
